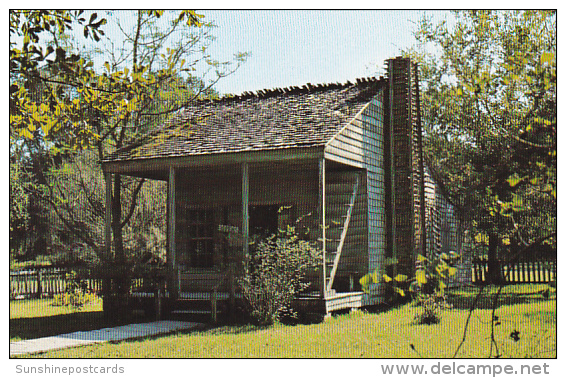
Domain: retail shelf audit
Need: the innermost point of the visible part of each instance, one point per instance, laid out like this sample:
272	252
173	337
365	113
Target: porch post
245	207
106	280
108	215
172	220
322	220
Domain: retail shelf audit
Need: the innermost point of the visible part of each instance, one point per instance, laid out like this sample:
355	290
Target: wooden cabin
346	159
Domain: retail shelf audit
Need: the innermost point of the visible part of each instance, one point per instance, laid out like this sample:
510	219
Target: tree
19	199
489	101
77	213
36	110
38	103
62	103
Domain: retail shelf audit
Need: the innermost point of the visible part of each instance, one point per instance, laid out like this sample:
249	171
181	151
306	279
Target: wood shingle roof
295	117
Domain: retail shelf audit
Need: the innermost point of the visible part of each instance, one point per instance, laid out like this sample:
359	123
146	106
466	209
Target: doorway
264	220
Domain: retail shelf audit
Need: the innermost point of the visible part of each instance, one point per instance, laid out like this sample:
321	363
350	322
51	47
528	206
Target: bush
430	306
75	300
273	274
430	281
426	288
76	292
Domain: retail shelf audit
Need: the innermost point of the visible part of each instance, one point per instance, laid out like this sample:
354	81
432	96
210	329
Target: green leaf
386	278
514	180
401	278
517	202
26	133
547	57
452	271
420	275
400	291
366	280
375	276
390	261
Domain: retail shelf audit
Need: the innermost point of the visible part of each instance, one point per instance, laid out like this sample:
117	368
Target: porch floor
334	302
221	295
310	302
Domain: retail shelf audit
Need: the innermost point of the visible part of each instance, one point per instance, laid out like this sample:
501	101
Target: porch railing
228	276
225	277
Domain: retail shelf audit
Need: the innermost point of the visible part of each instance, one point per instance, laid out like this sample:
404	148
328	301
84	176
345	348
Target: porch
215	210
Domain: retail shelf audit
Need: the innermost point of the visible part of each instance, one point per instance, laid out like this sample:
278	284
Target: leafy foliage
274	273
76	292
430	307
78	214
432	275
61	104
19	197
426	288
37	109
489	101
57	94
431	280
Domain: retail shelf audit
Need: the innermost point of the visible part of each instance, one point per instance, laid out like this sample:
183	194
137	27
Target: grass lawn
388	334
34	318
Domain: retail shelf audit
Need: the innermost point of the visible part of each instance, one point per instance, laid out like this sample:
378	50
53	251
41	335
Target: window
200	228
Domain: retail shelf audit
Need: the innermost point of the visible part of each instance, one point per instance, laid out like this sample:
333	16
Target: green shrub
273	274
75	300
76	292
429	307
426	288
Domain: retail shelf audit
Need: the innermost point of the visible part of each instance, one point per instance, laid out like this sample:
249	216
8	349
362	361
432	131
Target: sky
310	46
296	47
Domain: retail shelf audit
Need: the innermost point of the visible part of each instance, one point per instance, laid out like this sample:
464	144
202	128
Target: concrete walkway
80	338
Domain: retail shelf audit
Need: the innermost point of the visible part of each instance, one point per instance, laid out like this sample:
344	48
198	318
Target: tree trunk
116	221
493	266
121	272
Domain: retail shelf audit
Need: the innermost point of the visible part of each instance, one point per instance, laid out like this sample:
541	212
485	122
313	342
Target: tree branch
470	311
133	203
496	298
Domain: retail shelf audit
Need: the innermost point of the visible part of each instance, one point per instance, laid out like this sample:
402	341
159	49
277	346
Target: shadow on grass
463	299
44	326
234	329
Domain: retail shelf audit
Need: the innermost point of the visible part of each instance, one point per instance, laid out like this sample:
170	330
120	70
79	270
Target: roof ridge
306	88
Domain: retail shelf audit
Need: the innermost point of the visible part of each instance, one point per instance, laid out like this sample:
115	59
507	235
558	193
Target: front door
264	220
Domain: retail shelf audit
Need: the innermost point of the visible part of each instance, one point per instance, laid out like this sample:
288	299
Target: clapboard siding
334	155
361	145
339	189
342	151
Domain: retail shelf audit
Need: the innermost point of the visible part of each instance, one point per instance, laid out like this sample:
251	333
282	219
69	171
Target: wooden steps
191	309
199	306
